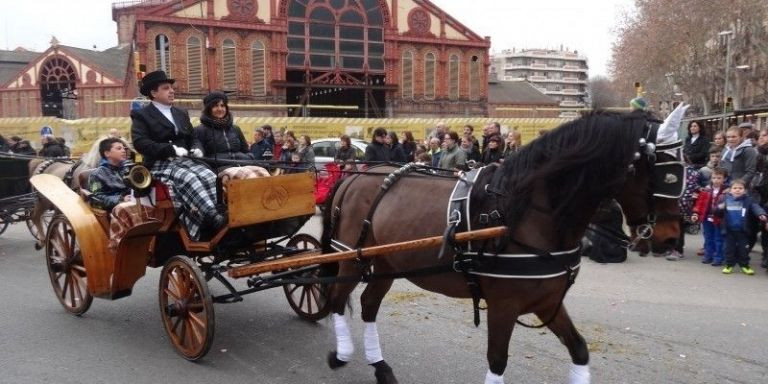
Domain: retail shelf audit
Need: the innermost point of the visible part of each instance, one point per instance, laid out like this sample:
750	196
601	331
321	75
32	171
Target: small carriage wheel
47	216
65	267
3	223
309	301
186	307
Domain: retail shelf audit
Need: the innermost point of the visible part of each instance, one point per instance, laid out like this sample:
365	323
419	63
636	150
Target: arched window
474	78
194	65
406	88
163	53
228	65
258	69
429	76
453	77
336	33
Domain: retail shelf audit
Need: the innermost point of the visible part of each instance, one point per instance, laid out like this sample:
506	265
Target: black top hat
152	80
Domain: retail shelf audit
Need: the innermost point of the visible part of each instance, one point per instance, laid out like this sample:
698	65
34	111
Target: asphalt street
647	320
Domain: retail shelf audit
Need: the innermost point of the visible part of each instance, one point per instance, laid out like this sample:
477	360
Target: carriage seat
102	216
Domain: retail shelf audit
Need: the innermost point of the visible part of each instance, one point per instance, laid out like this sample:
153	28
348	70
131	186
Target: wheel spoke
65	287
301	299
172	294
72	288
196	327
293	289
308	293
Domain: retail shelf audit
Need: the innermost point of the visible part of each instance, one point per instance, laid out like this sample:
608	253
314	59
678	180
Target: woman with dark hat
218	135
222	139
164	136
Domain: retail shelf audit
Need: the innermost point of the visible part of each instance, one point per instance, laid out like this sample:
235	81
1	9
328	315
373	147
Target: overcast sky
586	26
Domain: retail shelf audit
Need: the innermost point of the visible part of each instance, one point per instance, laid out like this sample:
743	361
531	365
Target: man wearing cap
638	104
164	136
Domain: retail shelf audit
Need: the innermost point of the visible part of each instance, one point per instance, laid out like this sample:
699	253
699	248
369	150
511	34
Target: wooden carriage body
267	207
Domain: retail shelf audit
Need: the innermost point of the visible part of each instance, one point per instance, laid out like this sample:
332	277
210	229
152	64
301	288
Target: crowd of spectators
728	195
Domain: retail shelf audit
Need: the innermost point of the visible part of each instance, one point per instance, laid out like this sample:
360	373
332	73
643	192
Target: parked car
325	150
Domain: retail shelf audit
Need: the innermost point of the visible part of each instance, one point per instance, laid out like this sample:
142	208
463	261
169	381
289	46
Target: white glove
196	152
180	151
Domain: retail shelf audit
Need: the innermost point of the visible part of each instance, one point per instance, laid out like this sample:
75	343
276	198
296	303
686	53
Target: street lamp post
727	35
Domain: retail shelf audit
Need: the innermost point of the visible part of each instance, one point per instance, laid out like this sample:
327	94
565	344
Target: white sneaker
674	256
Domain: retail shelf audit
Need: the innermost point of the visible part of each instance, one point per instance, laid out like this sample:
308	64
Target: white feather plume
667	132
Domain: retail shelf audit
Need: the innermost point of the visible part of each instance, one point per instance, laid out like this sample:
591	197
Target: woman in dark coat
396	150
52	147
218	135
220	138
493	152
696	147
409	146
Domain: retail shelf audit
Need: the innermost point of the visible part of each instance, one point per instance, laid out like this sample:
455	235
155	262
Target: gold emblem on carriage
670	178
274	198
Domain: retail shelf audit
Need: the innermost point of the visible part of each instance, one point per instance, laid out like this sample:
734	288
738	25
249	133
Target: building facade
65	82
560	74
387	58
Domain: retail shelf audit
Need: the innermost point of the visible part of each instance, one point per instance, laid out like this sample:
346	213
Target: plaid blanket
239	173
192	186
125	216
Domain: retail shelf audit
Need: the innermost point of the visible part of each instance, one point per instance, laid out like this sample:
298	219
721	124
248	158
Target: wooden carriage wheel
309	301
186	307
65	267
3	223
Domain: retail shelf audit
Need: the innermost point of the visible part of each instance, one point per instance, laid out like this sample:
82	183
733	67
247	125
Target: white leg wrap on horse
344	346
372	346
579	374
491	378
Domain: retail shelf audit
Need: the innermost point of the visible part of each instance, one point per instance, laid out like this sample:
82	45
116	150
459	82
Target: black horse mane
581	162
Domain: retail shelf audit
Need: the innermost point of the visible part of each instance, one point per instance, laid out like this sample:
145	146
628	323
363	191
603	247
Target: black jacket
228	143
154	136
698	152
262	150
377	152
107	186
23	148
491	156
397	153
53	149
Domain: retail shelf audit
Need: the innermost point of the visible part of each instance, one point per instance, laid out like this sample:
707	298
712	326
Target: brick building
388	58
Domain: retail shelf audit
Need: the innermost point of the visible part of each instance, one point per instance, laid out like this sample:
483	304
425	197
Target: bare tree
675	45
602	93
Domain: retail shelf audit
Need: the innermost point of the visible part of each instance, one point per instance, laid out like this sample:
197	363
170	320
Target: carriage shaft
315	257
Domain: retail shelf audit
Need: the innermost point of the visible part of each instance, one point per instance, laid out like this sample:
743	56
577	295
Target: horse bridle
667	178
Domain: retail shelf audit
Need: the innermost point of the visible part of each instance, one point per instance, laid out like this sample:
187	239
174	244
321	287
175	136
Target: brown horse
545	194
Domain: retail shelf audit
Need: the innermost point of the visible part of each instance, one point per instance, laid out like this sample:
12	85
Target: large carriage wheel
186	307
65	267
47	216
309	301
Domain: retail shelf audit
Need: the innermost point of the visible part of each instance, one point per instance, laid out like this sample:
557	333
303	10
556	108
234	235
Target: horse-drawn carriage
532	211
264	217
16	197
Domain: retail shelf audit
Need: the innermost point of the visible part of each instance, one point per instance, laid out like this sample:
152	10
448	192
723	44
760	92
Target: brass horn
138	178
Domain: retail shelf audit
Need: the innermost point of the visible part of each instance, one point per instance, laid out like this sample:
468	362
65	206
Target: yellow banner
82	133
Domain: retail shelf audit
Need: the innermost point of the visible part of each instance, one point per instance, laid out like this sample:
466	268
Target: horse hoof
38	247
384	374
334	362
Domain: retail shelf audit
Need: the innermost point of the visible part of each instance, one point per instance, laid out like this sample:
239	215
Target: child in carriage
109	192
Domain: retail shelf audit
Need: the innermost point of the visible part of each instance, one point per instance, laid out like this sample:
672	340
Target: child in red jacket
704	212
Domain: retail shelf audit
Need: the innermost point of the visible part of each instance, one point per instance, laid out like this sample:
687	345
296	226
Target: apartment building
560	74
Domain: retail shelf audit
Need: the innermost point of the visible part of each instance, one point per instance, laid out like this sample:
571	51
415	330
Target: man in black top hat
164	136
